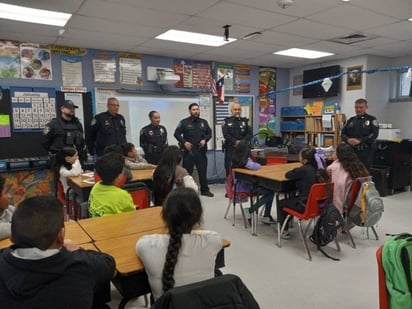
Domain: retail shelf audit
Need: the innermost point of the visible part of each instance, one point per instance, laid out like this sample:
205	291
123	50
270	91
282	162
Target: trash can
380	176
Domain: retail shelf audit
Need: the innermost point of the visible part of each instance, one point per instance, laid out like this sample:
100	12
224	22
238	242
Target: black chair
223	292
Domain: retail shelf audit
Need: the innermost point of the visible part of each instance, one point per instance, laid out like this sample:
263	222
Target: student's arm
5	230
251	165
296	173
75	171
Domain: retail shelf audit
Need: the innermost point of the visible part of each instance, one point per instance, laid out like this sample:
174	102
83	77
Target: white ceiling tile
399	31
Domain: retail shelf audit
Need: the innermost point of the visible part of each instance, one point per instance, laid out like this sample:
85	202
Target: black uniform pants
198	158
366	156
153	158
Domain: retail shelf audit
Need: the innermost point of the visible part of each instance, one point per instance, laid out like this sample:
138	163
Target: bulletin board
24	144
173	107
223	110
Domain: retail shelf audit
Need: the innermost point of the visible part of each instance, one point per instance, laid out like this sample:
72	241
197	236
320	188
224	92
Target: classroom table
132	222
73	232
79	185
268	176
117	235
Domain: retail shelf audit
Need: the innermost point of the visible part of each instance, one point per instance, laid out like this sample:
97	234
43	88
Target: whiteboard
172	108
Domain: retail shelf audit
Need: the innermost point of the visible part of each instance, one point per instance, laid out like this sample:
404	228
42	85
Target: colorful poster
69	51
71	70
35	62
5	130
226	71
184	69
104	67
201	74
242	78
9	59
267	101
130	67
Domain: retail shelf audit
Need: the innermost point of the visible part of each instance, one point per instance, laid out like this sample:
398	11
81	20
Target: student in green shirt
106	198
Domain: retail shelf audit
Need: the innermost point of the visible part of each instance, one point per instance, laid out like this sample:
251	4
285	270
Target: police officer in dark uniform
107	128
235	129
361	132
65	130
193	133
153	138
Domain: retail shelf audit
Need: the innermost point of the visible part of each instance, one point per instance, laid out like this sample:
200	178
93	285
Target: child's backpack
327	226
368	207
397	260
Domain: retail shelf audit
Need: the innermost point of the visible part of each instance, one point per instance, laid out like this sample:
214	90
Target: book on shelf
328	140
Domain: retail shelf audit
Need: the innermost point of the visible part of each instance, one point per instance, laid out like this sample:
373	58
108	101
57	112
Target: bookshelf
314	130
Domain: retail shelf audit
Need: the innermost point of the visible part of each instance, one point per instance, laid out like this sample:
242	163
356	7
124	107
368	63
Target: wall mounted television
316	90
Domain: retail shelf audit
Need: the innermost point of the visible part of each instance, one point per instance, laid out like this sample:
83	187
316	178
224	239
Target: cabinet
312	130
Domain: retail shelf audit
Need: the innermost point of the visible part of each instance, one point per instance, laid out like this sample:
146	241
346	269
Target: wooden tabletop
273	172
102	228
137	175
73	232
123	249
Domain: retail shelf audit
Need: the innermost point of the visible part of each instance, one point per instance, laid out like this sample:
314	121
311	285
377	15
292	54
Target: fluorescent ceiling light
410	19
193	38
26	14
302	53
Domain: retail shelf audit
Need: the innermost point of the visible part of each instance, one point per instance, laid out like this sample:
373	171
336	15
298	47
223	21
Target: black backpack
327	226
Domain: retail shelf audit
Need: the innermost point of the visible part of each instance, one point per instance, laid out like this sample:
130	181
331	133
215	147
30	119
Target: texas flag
220	90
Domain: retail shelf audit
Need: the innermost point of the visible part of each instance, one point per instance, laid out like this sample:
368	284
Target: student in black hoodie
43	269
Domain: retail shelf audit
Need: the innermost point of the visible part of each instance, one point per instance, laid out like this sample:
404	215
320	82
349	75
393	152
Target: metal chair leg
281	229
304	239
227	210
351	238
337	244
374	232
242	210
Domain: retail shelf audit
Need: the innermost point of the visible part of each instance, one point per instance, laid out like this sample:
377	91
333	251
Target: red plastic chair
275	160
317	195
140	194
383	292
351	199
236	197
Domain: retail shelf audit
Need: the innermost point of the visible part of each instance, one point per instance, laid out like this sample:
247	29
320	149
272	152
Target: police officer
235	129
153	138
65	130
361	132
107	128
193	133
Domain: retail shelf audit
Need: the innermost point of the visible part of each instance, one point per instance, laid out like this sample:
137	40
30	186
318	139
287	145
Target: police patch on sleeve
375	123
46	130
93	122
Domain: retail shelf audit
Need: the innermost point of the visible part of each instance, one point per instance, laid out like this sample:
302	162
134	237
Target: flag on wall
220	90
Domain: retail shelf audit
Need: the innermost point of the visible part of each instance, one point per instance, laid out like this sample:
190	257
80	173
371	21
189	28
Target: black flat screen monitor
316	90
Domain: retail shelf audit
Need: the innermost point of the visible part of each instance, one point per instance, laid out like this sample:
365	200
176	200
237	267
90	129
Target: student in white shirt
68	164
185	255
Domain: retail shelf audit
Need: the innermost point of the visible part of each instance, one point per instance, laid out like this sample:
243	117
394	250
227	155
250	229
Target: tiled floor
284	277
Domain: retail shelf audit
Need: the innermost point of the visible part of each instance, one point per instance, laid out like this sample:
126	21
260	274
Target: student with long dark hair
68	164
311	172
169	174
185	255
343	171
6	210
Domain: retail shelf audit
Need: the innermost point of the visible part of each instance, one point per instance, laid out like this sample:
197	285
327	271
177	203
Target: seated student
185	255
126	171
241	158
42	269
311	172
169	174
133	160
6	210
68	164
105	197
344	169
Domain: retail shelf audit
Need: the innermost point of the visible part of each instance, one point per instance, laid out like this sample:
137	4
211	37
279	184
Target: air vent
352	38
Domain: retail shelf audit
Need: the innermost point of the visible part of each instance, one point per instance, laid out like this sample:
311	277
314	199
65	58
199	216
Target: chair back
61	195
353	194
317	196
227	291
140	194
276	160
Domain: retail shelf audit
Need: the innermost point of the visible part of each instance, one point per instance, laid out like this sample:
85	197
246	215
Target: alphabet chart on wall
32	108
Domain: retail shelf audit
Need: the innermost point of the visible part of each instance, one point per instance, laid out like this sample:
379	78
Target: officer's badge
122	122
106	123
375	122
202	125
229	124
150	133
162	131
243	123
46	130
367	122
93	122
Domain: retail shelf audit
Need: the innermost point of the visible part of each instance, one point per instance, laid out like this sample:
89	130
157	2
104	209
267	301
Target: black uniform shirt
153	139
236	128
365	128
193	130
